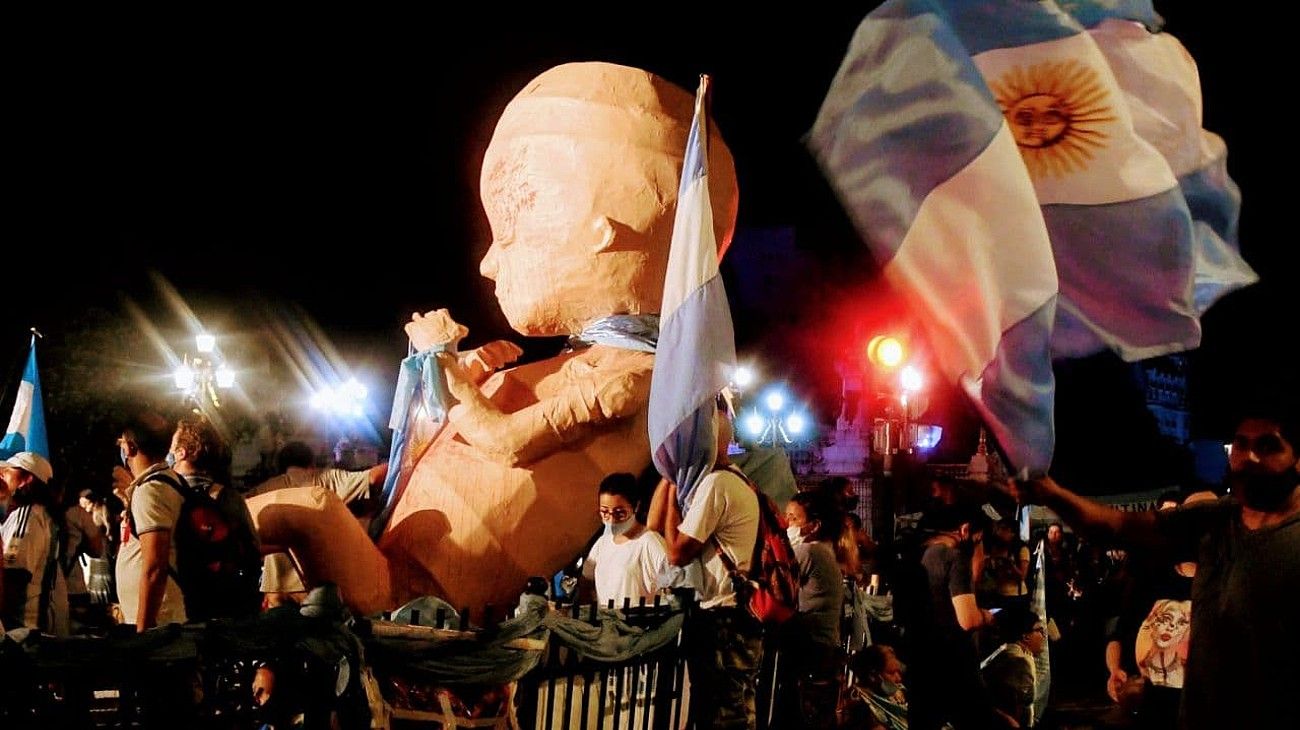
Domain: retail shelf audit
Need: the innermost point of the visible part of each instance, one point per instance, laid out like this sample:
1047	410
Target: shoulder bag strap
758	544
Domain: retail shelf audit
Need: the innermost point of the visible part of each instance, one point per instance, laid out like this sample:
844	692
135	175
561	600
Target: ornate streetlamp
199	377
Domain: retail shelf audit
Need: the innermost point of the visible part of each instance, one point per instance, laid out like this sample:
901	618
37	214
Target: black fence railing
207	675
568	691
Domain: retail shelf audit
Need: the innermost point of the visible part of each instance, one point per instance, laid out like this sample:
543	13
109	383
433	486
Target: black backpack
218	562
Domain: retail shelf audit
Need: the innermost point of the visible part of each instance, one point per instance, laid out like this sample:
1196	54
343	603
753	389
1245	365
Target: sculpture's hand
435	328
460	382
482	361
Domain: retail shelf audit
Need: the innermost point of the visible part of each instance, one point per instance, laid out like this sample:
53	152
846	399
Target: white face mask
619	528
796	537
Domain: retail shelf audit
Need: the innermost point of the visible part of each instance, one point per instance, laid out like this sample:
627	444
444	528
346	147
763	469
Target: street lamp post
199	377
896	434
775	425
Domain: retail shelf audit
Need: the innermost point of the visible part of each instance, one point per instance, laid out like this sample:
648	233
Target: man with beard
1241	670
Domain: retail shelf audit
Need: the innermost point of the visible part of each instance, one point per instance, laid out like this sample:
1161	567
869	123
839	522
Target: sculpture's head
580	187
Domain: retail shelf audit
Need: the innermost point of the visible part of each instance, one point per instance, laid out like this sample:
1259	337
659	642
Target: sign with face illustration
1162	641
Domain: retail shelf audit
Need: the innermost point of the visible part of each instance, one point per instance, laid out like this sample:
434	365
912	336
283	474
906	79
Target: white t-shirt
26	539
155	505
723	505
627	571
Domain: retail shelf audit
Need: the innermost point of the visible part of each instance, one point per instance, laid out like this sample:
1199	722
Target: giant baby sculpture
580	187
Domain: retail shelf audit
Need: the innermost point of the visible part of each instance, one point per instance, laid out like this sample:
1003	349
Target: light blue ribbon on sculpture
629	331
419	379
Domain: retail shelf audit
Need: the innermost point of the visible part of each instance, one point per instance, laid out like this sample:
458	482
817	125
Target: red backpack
770	590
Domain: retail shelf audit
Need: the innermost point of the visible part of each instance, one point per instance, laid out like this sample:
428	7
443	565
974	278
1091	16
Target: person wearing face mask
628	562
724	644
146	561
201	456
877	699
810	641
1241	669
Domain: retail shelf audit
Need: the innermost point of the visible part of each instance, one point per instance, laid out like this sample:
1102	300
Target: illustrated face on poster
1161	649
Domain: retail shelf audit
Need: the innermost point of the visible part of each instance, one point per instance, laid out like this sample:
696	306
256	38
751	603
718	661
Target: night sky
324	169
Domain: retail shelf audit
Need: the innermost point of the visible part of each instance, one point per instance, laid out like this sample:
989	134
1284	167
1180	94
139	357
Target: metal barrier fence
570	692
100	685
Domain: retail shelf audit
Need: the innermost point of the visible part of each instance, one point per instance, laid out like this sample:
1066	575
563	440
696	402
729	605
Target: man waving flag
697	349
26	430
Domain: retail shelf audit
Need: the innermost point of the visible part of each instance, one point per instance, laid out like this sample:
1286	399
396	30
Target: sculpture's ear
613	235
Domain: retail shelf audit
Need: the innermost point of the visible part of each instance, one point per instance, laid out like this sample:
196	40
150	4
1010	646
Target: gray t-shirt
948	570
821	593
155	505
1242	668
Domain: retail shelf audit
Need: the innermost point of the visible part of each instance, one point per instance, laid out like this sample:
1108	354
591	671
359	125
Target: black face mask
1264	490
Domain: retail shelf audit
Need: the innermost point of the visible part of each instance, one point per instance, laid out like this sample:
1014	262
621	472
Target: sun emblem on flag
1057	112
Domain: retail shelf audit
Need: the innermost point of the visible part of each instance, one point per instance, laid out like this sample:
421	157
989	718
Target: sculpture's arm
436	329
586	405
480	362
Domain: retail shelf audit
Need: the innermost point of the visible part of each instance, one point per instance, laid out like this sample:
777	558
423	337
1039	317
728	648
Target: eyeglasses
1266	444
617	513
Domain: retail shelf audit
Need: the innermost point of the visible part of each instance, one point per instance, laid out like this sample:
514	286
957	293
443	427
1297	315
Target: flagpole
701	111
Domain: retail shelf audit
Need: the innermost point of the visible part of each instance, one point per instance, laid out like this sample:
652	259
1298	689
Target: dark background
321	171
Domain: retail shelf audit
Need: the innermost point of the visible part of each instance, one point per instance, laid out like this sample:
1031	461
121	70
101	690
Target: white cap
33	463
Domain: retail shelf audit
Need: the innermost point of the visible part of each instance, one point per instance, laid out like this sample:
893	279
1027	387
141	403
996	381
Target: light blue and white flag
26	431
928	169
987	152
697	350
1121	232
1163	90
1038	604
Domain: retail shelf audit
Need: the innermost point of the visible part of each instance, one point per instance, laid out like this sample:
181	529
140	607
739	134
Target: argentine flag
929	171
697	350
1002	172
1038	604
26	430
1163	90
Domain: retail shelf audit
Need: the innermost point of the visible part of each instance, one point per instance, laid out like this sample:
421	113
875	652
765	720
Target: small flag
697	350
1038	604
26	431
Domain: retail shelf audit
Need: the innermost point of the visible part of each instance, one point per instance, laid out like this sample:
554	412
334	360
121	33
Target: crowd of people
963	647
119	559
1191	586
